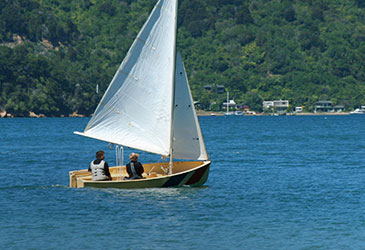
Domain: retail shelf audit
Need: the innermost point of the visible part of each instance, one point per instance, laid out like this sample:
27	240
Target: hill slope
54	53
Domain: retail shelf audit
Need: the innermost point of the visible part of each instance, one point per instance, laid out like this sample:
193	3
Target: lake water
293	182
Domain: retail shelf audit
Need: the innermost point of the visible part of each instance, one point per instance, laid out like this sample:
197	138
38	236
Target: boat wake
180	192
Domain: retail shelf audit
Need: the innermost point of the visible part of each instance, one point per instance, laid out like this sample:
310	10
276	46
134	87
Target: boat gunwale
207	162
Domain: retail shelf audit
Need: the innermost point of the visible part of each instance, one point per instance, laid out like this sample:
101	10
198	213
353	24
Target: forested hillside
53	53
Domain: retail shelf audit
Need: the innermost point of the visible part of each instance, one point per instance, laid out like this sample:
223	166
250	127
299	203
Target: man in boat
100	168
134	168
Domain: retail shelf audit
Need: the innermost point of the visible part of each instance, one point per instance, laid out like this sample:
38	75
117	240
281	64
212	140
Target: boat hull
192	173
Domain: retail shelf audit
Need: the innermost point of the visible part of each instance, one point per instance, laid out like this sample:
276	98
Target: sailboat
227	104
148	106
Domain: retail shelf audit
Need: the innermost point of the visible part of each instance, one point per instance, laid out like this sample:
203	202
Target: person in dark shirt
100	168
134	168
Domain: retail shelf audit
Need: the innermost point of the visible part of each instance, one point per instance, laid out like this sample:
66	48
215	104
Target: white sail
188	140
136	110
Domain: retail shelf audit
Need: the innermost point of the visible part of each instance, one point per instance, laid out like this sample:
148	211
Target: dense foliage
53	53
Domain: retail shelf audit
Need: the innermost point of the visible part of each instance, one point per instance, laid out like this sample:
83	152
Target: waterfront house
216	88
327	106
220	89
338	108
278	106
323	106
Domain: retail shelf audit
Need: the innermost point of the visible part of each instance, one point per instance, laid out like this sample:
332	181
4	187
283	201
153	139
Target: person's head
100	155
133	157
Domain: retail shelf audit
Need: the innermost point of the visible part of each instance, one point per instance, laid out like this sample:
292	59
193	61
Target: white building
279	106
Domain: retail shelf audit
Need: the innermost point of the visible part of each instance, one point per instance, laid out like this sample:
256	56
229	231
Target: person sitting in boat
134	168
100	168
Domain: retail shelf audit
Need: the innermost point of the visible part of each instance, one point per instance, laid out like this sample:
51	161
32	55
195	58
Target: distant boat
231	102
148	106
358	111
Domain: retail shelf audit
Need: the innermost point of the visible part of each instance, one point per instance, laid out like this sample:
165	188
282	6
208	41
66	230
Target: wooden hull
190	173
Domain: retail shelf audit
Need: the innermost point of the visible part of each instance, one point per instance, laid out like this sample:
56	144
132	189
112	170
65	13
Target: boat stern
78	177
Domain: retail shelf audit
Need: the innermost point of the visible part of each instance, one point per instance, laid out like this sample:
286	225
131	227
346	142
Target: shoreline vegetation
58	57
4	114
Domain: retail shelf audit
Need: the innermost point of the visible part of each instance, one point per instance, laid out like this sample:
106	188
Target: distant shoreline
262	114
327	113
4	114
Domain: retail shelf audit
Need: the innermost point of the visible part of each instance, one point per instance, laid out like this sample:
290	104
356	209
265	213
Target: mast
173	94
227	102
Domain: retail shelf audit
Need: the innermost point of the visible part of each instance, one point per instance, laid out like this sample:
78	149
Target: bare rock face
32	114
74	114
4	114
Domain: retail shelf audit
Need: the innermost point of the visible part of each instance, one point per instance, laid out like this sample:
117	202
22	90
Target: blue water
275	183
